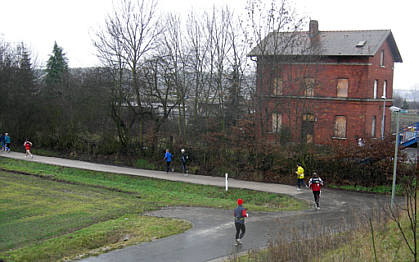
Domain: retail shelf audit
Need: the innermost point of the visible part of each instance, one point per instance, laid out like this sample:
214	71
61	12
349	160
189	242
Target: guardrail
409	135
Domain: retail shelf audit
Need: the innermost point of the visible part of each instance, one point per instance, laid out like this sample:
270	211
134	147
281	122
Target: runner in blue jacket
7	141
168	158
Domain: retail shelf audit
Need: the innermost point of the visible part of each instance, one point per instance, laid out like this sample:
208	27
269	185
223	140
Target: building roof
327	43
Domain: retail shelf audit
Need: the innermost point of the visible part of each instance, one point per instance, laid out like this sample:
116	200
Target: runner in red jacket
28	145
315	184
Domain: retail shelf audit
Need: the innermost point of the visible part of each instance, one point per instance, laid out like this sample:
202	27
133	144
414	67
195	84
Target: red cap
239	201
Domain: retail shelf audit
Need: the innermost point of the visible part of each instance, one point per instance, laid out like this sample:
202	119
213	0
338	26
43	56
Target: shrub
144	164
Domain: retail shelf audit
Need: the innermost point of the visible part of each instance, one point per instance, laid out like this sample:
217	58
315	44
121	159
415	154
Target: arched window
375	89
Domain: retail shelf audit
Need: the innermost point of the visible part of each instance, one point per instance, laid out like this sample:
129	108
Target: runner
7	142
184	158
300	177
168	158
28	145
239	215
315	184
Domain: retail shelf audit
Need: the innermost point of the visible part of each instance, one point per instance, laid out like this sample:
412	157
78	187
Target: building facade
322	87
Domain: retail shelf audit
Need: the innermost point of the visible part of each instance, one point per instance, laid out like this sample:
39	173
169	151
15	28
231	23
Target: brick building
324	86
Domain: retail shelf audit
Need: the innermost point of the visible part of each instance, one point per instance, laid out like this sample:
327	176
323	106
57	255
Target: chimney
313	28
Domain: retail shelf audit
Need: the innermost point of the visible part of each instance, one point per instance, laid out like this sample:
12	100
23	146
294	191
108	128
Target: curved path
212	234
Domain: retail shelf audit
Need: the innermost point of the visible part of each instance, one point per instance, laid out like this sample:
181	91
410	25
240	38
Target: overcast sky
38	23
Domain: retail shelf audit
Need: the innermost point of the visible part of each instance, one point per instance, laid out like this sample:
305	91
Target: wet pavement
212	236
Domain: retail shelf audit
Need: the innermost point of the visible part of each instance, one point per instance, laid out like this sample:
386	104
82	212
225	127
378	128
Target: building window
308	117
309	85
385	88
382	58
277	86
375	88
340	127
342	88
373	124
276	122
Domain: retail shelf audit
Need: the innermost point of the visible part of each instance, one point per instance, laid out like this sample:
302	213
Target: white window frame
382	58
385	89
373	126
375	89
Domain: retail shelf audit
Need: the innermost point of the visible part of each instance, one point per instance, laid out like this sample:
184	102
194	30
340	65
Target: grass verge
43	220
160	192
374	189
389	244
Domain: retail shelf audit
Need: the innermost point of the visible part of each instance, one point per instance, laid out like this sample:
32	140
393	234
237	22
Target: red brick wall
359	107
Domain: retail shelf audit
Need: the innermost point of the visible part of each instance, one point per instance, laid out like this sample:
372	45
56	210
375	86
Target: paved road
212	234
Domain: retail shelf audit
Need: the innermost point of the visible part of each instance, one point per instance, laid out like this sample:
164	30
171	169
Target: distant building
324	86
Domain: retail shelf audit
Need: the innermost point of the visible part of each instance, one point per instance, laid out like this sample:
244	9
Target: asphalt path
211	237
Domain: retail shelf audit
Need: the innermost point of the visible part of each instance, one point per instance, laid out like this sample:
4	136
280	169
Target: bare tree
128	38
176	75
236	100
199	44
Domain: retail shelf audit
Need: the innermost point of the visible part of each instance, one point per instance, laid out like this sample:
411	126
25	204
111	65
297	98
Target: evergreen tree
26	92
17	85
57	72
55	97
26	72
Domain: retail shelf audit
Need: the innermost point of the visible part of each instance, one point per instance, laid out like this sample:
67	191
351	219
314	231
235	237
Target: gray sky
38	23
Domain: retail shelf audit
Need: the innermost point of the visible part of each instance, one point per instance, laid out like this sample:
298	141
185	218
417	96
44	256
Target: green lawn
160	192
46	220
374	189
58	213
389	244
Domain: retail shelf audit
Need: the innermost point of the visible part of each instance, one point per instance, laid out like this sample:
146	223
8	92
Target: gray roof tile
326	43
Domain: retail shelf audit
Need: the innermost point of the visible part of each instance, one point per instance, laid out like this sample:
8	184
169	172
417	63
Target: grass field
59	213
374	189
43	220
159	192
388	241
